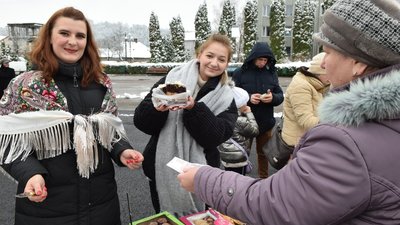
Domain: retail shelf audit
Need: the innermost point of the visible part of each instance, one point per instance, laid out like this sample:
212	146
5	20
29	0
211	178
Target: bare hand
131	158
267	97
245	109
162	108
186	178
255	98
36	185
189	105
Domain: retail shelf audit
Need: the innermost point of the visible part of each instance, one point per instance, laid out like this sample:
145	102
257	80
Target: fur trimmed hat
241	96
366	30
315	65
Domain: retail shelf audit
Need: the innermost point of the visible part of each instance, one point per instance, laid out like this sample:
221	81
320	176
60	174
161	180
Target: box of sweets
163	218
209	217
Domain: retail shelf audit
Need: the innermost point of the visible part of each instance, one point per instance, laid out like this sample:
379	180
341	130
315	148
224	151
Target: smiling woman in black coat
62	155
191	132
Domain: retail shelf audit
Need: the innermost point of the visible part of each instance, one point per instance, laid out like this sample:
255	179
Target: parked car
232	67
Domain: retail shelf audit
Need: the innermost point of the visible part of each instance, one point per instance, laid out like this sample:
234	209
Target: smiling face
69	39
213	60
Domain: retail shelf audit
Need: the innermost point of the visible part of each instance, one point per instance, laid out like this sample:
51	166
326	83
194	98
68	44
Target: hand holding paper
178	164
186	171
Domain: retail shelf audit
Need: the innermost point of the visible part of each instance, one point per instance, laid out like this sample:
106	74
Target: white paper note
178	164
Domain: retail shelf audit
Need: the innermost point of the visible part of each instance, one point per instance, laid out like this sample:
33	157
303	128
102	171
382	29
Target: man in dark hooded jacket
6	74
258	77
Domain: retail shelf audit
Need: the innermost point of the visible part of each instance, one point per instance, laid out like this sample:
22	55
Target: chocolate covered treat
173	88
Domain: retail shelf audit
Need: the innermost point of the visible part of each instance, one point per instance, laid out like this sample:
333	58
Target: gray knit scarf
175	140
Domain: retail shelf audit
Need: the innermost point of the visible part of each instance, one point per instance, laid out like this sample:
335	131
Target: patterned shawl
34	117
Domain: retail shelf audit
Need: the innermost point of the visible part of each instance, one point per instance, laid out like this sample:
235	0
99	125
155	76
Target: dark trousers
262	161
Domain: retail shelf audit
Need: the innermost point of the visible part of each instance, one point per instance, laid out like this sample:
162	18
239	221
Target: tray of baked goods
207	217
162	218
170	94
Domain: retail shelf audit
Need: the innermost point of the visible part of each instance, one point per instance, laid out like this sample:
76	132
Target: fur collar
376	97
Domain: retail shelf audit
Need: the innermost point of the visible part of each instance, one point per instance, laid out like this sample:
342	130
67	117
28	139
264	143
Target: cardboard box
171	219
194	219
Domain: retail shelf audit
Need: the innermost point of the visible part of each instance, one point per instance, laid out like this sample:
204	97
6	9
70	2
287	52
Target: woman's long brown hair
43	57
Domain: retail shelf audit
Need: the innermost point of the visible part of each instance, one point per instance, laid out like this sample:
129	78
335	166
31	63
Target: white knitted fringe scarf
47	133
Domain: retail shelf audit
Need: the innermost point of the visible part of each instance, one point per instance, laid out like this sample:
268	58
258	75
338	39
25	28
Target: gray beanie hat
366	30
4	61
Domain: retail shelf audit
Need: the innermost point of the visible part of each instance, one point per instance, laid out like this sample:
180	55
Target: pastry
172	88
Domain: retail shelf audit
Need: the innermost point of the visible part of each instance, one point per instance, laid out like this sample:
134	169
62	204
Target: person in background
59	130
258	77
302	98
191	132
345	169
6	75
236	150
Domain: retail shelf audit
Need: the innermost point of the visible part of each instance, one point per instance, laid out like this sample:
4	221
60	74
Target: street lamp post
315	48
235	30
126	52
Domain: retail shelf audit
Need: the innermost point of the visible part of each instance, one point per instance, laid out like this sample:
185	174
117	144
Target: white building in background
263	26
22	35
5	40
132	51
190	43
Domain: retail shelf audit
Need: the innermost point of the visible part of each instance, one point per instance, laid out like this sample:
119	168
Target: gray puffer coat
245	129
344	171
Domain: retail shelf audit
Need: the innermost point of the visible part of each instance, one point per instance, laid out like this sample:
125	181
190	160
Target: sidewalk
130	89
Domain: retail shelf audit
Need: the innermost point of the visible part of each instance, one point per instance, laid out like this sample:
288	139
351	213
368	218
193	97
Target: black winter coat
151	121
71	199
256	80
6	74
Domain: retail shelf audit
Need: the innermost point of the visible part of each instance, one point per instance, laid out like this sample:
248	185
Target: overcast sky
125	11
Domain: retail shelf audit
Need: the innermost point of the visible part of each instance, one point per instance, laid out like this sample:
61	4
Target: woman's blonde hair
42	55
225	41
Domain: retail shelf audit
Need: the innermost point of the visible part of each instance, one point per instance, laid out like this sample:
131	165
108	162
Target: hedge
283	71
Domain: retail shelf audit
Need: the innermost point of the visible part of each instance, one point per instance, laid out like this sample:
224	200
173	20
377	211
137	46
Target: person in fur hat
345	169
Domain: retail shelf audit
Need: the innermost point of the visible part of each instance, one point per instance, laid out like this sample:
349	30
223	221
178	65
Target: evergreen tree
326	4
177	40
5	52
227	21
201	25
155	40
249	26
303	28
277	34
167	49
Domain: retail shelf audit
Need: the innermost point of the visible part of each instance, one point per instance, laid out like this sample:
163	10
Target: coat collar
373	97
